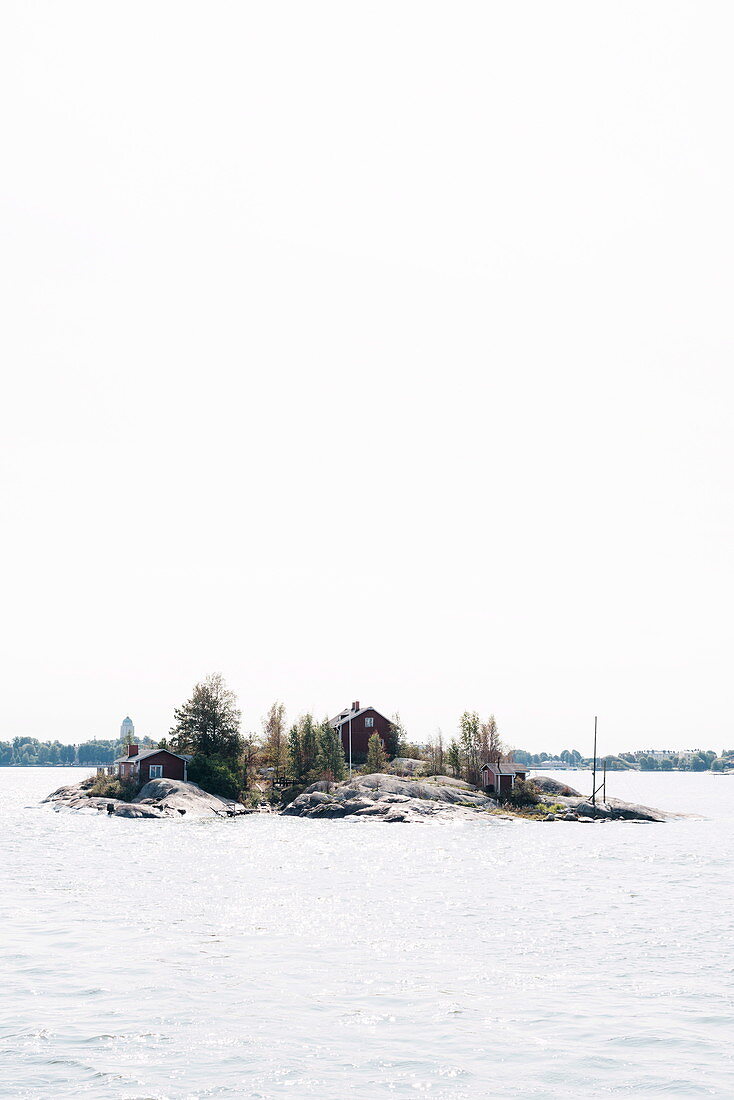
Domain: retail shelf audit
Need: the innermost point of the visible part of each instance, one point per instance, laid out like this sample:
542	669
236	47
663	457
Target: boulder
392	798
547	785
129	809
614	809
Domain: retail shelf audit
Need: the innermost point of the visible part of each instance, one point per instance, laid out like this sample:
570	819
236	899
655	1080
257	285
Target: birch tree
470	739
275	748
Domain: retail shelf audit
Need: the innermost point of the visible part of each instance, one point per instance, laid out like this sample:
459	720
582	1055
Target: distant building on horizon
127	729
686	755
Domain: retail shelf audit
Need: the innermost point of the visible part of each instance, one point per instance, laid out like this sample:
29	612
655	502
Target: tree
248	758
397	737
208	724
97	752
330	759
275	748
491	746
470	740
434	755
295	755
309	746
648	764
453	758
376	755
666	765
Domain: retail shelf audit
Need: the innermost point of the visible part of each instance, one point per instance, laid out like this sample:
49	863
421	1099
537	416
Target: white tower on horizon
127	729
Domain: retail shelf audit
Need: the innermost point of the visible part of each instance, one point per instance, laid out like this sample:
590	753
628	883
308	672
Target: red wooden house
151	764
357	724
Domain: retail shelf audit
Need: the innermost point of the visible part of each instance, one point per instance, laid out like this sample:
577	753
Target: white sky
374	351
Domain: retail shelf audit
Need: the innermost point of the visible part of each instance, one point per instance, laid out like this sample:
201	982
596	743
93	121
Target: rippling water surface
275	957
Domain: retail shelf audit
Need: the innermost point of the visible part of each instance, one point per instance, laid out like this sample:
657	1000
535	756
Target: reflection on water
273	957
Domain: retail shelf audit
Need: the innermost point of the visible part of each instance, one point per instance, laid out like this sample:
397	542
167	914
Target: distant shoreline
530	767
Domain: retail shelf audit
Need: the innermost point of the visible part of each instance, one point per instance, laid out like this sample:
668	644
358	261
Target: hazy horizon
377	353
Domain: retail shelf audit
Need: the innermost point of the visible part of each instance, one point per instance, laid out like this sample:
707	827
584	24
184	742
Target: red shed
152	764
499	779
358	724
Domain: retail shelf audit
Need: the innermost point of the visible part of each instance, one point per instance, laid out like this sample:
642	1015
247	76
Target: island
380	797
358	764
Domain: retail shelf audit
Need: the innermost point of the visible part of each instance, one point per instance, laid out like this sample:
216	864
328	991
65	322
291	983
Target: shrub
110	786
214	775
550	808
524	793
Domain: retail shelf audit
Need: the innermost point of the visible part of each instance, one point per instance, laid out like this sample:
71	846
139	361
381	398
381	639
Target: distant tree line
29	751
704	760
568	756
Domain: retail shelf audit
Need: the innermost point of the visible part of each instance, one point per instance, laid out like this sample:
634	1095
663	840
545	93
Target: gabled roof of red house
150	752
345	715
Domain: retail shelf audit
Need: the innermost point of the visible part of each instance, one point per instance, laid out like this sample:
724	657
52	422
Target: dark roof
150	752
345	715
506	769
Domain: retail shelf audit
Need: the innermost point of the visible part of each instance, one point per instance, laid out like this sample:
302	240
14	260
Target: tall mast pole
593	773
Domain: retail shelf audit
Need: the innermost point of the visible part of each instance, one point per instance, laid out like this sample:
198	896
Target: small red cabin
152	764
357	724
499	779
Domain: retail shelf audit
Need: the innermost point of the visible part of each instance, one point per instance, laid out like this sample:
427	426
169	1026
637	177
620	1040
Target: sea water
273	957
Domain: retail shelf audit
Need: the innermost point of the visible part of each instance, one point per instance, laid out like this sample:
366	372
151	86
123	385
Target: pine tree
208	724
309	746
453	756
376	755
295	755
330	759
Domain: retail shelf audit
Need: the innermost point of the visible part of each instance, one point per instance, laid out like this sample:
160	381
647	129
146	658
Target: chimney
132	750
355	706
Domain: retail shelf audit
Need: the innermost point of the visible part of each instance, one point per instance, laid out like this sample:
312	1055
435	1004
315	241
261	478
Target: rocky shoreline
379	796
159	798
399	799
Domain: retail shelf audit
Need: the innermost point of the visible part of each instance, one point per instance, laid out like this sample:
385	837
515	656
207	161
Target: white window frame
157	768
369	722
